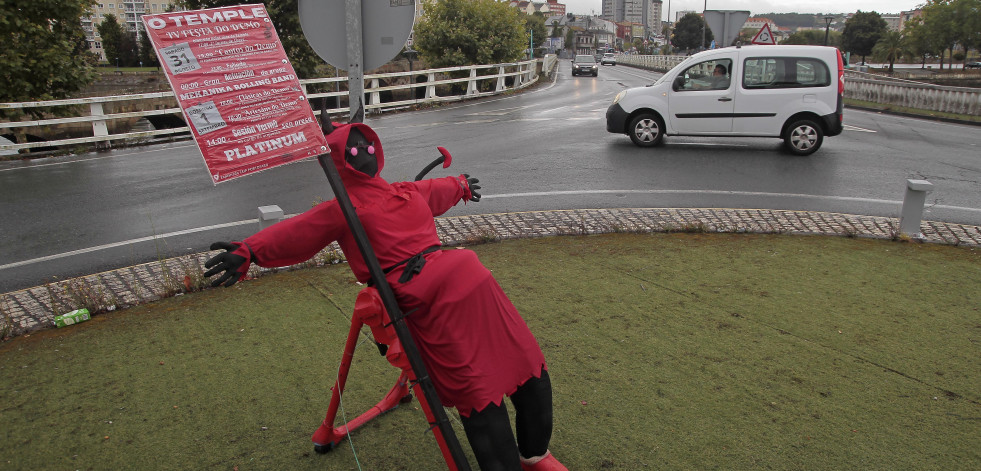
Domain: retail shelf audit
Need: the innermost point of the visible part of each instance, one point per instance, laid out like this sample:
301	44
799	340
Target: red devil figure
475	345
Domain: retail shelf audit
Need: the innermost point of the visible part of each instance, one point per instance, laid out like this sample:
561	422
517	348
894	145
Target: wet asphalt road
538	150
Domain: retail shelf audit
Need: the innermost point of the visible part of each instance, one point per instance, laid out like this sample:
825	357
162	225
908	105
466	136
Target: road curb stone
29	310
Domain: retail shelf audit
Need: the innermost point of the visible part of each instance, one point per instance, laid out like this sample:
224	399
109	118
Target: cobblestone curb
33	309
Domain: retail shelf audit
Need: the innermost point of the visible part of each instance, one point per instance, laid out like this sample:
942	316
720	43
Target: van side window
708	75
785	72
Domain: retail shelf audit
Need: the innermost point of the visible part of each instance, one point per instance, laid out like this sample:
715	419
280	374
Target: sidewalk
33	309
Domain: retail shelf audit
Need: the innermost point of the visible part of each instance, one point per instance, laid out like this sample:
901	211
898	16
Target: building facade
547	8
127	12
645	12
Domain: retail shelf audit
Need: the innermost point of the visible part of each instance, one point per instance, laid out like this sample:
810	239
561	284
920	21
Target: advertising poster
240	95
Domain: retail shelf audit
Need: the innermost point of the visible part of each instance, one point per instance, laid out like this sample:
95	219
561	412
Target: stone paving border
33	309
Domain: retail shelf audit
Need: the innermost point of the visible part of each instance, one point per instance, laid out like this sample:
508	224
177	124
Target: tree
467	32
111	35
688	33
917	41
148	58
536	24
813	37
556	30
129	52
285	16
861	33
570	39
968	24
890	47
939	19
44	54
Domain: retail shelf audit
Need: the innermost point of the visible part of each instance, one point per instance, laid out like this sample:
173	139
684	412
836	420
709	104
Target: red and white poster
240	95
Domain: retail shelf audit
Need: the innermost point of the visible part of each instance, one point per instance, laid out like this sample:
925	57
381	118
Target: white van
790	92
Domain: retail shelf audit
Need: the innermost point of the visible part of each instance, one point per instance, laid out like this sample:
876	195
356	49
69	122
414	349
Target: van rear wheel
803	137
646	130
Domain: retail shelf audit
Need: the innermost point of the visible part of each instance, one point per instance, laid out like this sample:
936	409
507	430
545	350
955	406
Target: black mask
360	154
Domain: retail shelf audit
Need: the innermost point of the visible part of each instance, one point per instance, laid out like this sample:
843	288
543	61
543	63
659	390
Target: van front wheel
646	130
803	137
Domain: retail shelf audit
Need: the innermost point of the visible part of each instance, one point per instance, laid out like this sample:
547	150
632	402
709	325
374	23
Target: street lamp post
827	27
531	44
410	55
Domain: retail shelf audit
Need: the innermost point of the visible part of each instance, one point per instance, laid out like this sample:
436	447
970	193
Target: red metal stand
369	310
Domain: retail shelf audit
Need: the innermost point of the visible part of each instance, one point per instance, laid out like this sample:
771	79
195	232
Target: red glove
232	264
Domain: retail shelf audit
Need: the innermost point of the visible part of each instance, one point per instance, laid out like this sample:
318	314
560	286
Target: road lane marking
101	157
128	242
849	127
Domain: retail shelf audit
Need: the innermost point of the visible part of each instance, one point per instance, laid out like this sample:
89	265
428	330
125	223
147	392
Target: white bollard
269	215
913	202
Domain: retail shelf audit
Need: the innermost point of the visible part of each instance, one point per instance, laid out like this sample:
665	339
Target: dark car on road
585	64
972	65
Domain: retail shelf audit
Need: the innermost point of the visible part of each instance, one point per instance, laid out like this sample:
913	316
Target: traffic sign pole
355	64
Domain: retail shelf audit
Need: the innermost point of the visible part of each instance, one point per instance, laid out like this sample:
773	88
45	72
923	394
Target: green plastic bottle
71	318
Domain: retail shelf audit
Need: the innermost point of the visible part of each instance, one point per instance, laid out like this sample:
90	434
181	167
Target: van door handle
725	98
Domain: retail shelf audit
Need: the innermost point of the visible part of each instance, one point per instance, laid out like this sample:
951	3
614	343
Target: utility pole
704	8
827	27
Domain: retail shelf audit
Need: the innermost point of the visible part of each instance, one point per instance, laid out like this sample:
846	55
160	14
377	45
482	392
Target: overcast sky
585	7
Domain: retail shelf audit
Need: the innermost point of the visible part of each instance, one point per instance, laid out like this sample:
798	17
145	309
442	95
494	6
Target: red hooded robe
474	343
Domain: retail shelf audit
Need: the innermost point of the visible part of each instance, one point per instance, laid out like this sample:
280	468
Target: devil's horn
325	125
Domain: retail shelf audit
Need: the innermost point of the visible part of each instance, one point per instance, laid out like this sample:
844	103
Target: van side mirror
679	82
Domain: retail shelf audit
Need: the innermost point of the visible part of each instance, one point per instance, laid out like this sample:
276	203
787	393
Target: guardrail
910	94
659	63
421	86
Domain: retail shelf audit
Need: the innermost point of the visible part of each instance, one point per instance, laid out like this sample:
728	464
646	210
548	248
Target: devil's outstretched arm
443	193
299	238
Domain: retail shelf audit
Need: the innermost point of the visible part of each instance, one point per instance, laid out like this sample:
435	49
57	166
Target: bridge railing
910	94
658	63
414	88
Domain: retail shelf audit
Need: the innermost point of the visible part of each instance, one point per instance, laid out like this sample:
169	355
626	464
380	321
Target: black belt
413	265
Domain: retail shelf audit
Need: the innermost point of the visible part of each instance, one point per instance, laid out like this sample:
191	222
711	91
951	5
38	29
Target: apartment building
644	12
127	12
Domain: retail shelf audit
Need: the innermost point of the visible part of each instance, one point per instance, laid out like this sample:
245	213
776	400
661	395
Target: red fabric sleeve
440	193
298	238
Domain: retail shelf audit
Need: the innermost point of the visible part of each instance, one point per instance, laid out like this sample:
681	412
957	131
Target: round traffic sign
385	26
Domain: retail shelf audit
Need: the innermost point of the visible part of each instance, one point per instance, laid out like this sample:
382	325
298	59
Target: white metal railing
659	63
495	77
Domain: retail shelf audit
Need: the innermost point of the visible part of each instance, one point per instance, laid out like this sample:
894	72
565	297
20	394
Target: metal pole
705	7
531	44
355	52
827	27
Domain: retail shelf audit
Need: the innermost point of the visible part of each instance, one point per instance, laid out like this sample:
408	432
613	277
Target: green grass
667	351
